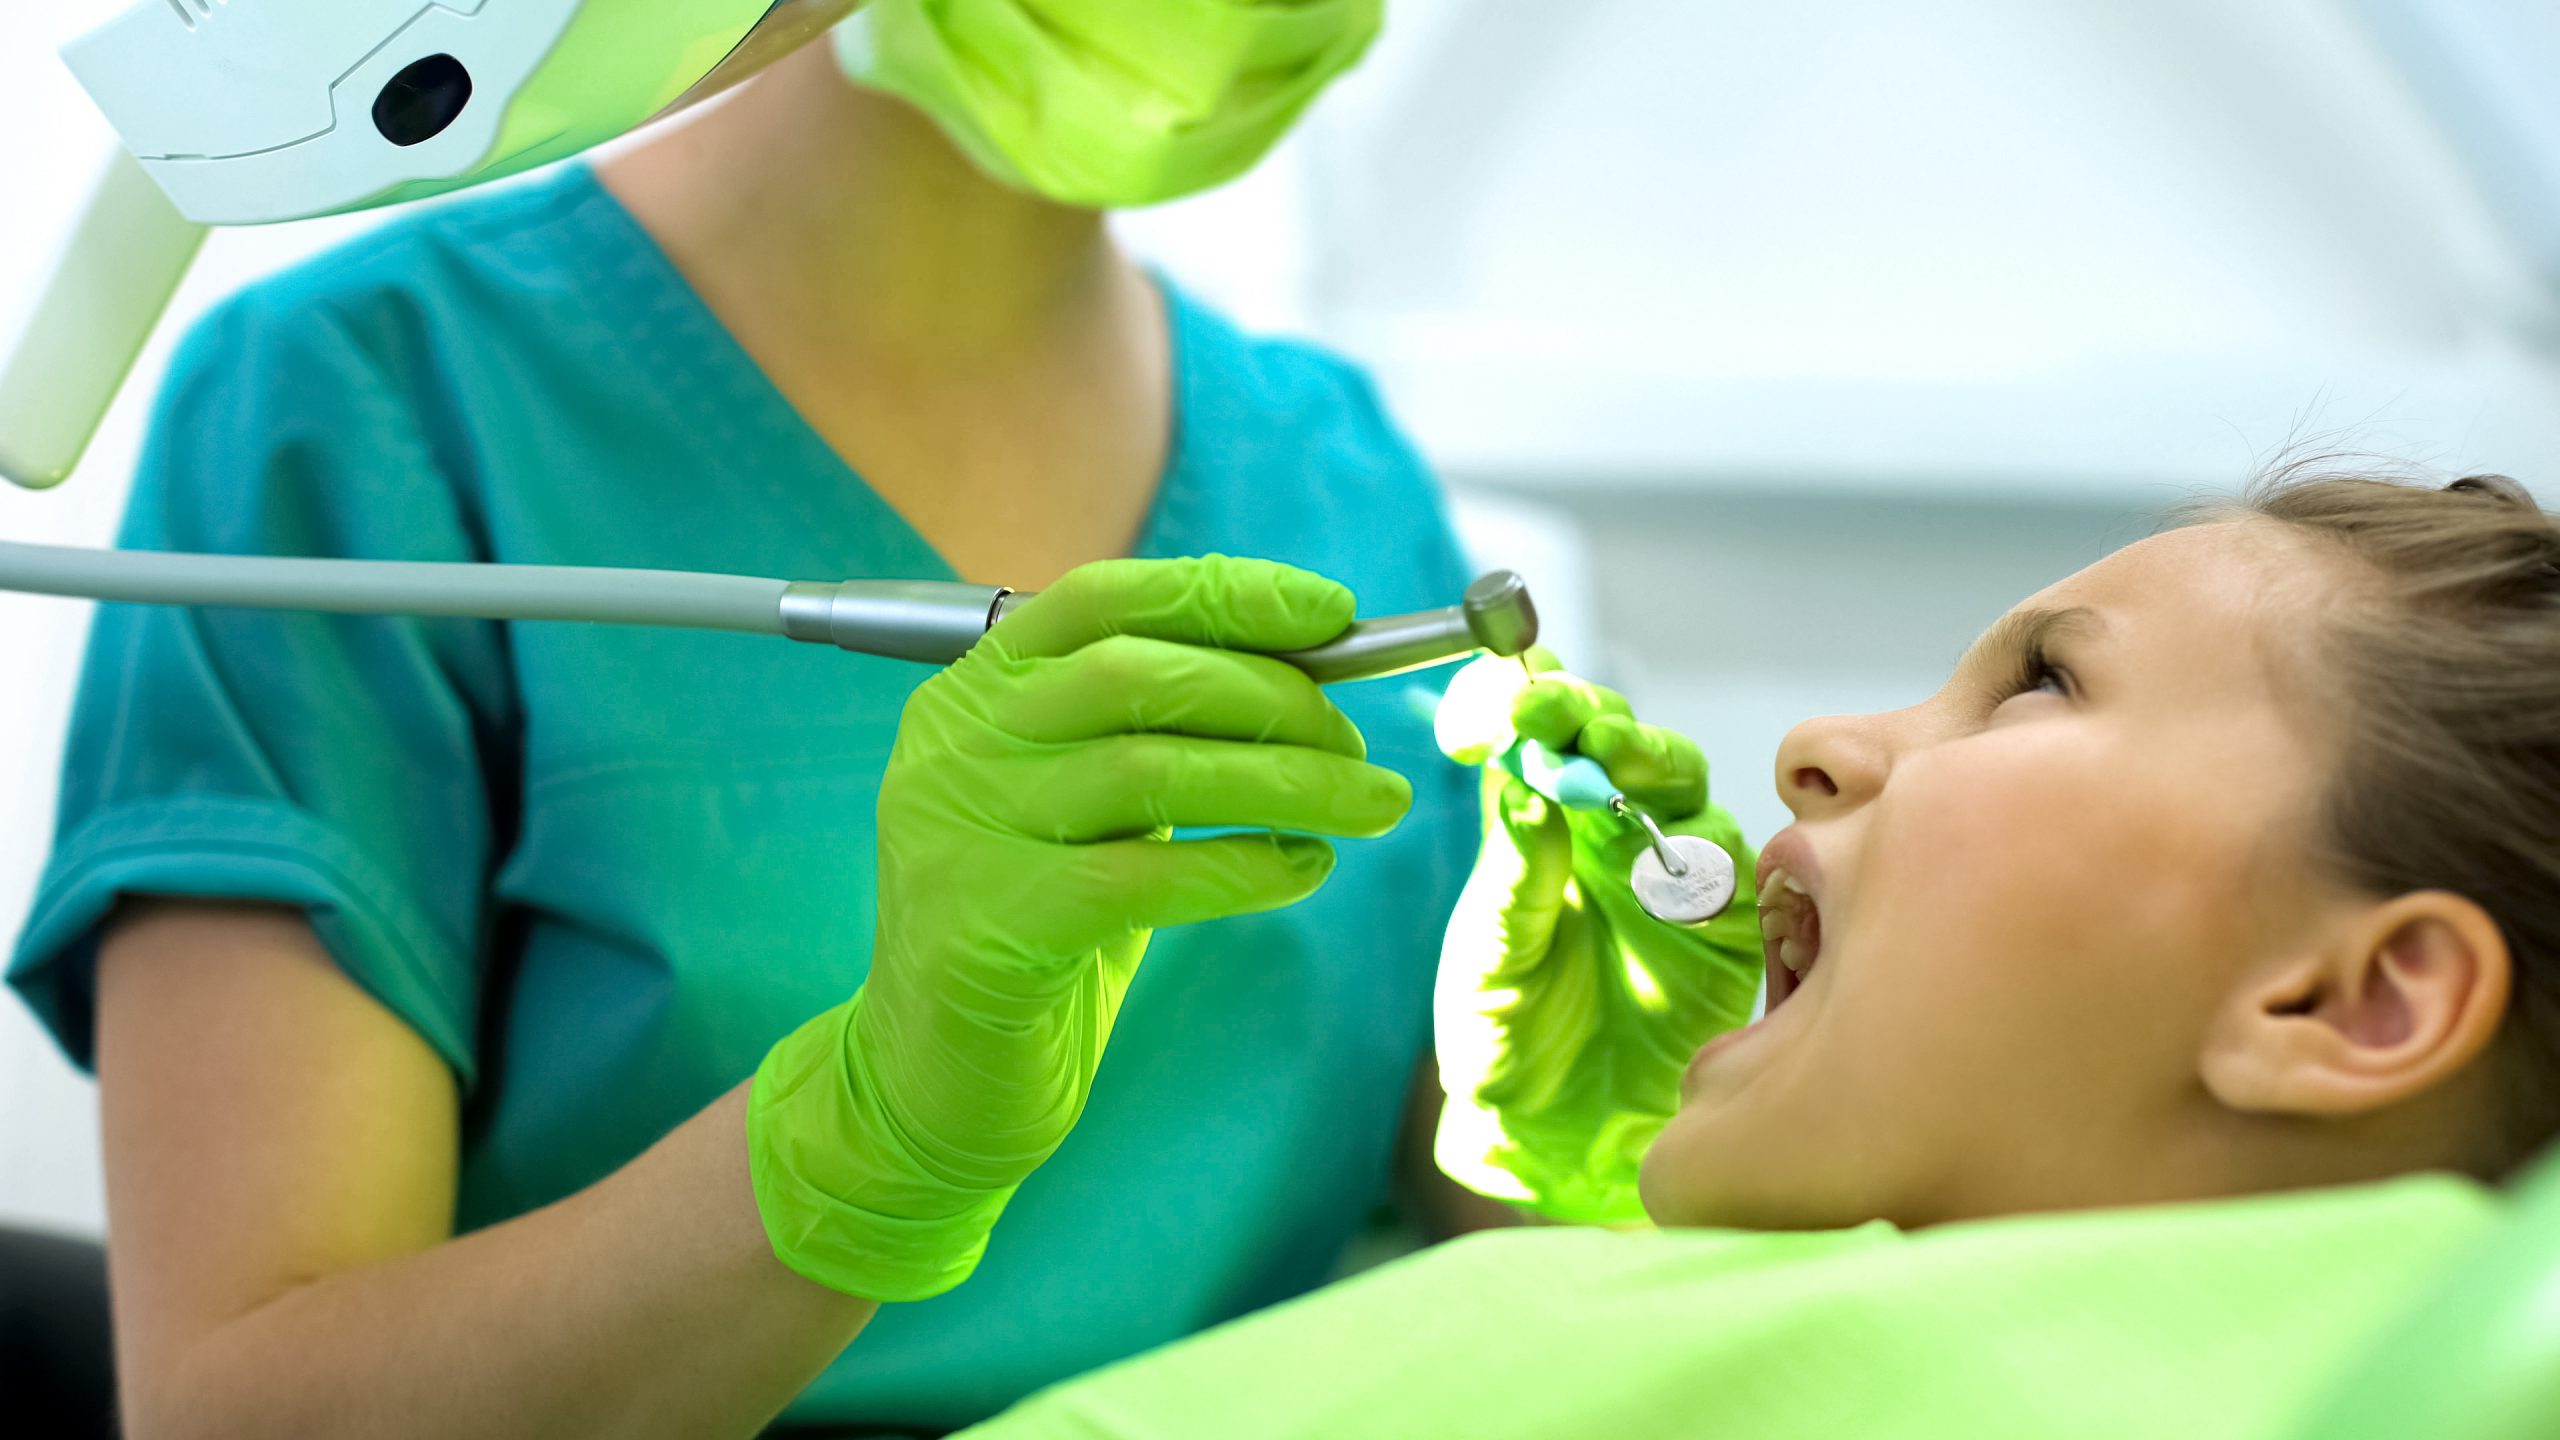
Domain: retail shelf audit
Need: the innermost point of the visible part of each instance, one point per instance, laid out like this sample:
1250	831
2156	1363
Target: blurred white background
1782	346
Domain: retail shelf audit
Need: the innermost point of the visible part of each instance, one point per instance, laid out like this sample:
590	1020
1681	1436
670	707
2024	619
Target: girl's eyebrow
2026	632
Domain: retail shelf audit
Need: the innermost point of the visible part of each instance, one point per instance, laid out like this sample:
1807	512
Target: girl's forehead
2222	571
2209	613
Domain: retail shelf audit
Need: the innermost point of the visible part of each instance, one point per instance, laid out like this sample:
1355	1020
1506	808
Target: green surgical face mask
1109	103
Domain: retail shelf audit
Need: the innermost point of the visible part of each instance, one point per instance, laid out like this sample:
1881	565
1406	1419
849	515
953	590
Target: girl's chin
1685	1148
1719	1164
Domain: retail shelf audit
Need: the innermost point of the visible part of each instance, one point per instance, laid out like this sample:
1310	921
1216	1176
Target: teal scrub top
601	869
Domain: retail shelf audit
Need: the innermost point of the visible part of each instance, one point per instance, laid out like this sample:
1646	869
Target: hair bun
2506	490
2497	487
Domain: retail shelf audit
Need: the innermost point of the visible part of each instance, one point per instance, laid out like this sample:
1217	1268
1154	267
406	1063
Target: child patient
2227	867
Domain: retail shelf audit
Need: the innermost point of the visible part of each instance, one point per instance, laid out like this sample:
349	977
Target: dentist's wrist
840	1204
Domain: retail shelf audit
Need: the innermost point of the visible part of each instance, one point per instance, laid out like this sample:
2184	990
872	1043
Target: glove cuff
837	1206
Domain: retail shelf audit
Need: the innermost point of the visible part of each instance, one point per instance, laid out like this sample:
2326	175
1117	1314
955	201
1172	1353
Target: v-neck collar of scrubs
707	363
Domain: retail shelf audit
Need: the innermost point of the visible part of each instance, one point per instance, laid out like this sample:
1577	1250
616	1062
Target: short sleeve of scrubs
341	765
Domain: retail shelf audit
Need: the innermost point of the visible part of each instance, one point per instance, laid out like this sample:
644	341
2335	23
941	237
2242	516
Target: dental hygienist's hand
1565	1013
1024	857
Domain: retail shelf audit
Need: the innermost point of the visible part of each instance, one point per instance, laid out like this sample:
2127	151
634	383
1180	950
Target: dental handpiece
1678	879
931	621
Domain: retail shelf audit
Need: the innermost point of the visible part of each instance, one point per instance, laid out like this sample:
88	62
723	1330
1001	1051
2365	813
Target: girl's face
2023	899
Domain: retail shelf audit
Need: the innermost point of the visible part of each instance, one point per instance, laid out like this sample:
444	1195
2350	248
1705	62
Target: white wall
2007	243
1782	345
48	1148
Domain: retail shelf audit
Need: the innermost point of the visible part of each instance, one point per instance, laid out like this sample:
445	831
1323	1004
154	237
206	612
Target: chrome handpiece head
1499	615
1495	614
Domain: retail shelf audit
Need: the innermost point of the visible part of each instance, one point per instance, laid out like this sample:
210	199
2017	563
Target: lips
1790	915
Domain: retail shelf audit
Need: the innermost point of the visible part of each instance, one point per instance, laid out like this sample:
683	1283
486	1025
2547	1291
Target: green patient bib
2194	1322
601	870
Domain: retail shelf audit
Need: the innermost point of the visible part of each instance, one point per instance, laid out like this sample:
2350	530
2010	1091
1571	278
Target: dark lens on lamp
422	101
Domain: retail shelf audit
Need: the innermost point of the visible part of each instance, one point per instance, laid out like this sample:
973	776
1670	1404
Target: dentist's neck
851	213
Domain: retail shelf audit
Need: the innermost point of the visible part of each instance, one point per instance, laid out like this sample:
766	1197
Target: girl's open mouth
1790	933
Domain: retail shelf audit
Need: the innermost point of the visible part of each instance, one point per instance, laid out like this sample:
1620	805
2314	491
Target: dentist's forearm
646	1305
283	1153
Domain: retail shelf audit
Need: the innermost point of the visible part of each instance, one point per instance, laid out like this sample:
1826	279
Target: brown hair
2444	664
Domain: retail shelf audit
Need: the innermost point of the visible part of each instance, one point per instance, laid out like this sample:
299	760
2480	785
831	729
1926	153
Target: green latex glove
1024	857
1565	1014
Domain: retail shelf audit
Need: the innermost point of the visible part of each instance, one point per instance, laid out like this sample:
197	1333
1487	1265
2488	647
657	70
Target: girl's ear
2397	999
